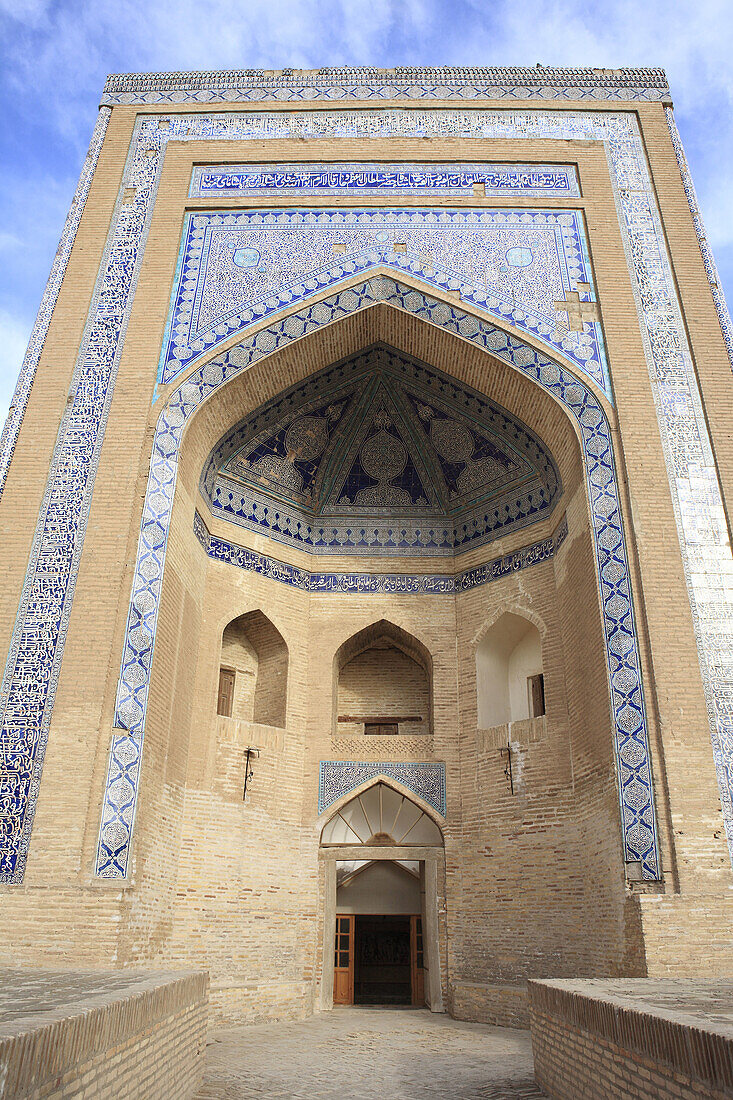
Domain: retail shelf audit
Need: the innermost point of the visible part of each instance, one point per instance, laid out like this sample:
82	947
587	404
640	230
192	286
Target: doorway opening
383	855
378	946
382	971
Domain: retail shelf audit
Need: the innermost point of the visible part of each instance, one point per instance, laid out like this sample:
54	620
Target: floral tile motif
238	268
337	777
546	180
34	659
381	453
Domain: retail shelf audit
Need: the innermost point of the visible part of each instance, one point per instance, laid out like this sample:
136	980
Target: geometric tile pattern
378	584
237	268
559	180
36	650
337	777
500	82
622	650
382	453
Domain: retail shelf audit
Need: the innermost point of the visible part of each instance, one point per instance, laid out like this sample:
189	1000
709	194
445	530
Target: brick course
102	1034
644	1039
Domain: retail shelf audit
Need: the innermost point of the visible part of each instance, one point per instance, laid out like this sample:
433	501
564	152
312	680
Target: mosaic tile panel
33	663
237	268
338	777
622	651
32	356
379	584
315	180
286	85
385	454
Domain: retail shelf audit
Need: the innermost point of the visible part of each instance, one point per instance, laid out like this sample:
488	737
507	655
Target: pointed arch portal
631	741
382	821
36	650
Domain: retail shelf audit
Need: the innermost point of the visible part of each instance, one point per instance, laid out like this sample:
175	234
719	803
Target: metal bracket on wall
252	754
508	766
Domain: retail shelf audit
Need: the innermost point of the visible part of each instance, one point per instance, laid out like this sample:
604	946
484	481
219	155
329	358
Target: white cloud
56	55
9	242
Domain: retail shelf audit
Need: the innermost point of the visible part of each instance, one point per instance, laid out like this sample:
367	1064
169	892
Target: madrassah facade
366	612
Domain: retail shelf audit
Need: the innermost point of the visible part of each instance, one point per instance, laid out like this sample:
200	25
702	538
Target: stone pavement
366	1053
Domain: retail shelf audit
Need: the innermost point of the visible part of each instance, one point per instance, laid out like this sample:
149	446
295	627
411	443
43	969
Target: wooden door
417	961
225	698
343	961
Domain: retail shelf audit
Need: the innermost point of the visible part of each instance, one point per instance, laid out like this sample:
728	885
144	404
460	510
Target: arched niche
509	674
253	673
383	683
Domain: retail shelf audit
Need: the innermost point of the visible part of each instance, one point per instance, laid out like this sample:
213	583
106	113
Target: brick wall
383	682
593	1041
105	1034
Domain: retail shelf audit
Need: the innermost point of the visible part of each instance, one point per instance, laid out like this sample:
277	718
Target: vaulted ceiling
381	453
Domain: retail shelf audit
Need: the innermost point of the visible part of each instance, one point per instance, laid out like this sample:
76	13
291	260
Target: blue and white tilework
439	83
31	672
48	301
631	741
317	180
379	584
338	777
381	453
237	268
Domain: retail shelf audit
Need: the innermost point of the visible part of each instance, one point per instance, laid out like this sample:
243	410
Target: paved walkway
370	1054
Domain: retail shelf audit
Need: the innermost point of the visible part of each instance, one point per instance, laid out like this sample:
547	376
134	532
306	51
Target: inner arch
380	452
381	816
584	410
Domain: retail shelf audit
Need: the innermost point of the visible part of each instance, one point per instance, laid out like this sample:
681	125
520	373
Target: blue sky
55	55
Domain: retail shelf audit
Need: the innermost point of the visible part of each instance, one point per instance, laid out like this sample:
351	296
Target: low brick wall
118	1033
639	1037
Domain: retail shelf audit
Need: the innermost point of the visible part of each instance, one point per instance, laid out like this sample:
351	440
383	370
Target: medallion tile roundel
385	443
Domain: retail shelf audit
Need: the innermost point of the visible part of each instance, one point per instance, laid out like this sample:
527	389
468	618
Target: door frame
429	858
417	973
351	919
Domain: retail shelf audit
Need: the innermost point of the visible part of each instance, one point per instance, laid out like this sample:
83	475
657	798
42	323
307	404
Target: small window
382	729
225	699
536	692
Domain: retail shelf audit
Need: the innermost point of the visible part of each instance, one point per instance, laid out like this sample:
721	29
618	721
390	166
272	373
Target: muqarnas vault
372	454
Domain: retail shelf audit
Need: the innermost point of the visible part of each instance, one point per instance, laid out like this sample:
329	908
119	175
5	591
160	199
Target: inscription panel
535	180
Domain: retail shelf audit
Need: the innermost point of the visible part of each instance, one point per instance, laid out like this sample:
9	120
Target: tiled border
338	777
580	402
32	356
34	659
288	85
362	584
708	259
